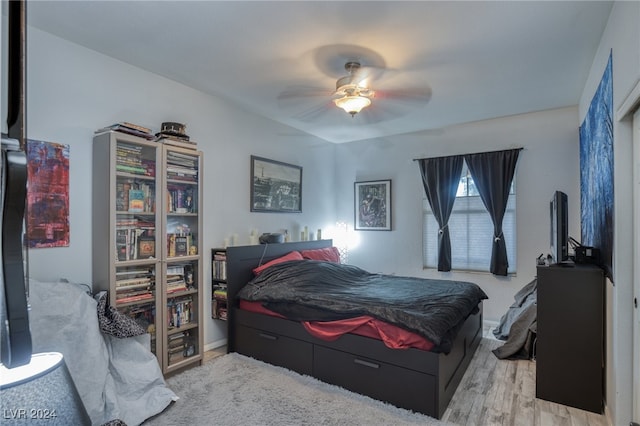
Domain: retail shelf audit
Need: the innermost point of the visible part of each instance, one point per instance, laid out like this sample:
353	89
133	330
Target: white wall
72	91
621	38
549	162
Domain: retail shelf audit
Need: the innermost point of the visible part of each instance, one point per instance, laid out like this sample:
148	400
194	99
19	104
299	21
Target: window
471	230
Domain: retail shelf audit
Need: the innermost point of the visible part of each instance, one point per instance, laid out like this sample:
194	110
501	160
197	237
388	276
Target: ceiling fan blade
297	92
305	102
414	96
315	113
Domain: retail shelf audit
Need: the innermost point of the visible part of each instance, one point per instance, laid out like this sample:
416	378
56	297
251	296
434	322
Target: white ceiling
468	61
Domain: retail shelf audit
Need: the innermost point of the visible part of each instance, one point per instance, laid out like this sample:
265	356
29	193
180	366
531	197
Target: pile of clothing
518	327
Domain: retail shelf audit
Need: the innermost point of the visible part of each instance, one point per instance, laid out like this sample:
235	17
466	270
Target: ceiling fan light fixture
352	104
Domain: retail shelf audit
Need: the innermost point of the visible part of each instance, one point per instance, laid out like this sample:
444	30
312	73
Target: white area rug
237	390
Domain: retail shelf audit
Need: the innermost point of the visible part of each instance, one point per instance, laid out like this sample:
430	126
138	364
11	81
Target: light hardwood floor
500	392
503	392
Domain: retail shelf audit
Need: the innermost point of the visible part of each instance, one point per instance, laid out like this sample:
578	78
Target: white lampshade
352	104
41	392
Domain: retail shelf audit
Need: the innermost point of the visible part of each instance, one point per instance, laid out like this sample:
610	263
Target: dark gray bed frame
413	379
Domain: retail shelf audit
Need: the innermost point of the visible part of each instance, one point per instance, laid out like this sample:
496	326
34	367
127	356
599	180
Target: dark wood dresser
570	338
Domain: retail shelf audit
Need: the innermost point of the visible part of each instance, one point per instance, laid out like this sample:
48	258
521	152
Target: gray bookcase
147	243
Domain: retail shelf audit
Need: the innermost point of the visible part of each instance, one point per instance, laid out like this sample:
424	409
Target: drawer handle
267	336
366	363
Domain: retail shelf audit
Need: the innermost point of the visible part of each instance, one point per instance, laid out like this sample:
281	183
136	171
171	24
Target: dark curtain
493	173
440	177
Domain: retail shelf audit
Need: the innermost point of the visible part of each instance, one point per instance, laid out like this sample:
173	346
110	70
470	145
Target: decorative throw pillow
113	322
294	255
329	254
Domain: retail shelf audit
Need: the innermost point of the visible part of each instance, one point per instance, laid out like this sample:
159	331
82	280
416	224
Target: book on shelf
180	311
136	200
133	281
178	244
180	200
122	196
134	197
136	126
222	313
182	245
142	272
122	294
146	247
141	286
129	128
129	237
134	298
219	310
121	245
174	141
219	265
220	294
176	283
137	170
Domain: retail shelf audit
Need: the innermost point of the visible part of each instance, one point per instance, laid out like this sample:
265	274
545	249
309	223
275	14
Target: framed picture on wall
275	186
373	205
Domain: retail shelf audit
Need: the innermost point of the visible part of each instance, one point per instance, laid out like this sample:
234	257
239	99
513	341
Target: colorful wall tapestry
596	172
48	194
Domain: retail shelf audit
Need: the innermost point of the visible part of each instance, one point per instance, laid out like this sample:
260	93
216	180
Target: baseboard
607	414
214	345
487	328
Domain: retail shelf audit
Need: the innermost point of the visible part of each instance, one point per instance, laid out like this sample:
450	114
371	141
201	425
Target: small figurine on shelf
188	203
193	250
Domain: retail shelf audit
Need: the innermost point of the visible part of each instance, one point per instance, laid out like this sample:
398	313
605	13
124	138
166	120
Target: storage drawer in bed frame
379	380
276	349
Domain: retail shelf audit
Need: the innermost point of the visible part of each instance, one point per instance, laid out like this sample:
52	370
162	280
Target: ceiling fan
375	92
352	92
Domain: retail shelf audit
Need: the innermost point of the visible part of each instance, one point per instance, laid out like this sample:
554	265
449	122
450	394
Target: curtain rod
470	153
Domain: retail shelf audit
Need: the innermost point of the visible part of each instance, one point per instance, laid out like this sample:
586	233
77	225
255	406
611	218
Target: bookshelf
219	284
147	249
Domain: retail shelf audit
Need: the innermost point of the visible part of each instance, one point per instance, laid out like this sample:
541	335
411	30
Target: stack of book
181	345
129	128
180	311
219	265
220	302
136	197
176	279
179	243
129	233
129	159
176	141
182	167
134	286
180	199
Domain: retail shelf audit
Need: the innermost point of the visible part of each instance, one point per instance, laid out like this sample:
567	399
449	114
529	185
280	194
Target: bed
415	379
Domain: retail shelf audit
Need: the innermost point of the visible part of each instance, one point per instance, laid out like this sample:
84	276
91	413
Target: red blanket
392	336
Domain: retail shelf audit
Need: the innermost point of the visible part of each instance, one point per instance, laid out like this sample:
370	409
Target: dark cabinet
570	338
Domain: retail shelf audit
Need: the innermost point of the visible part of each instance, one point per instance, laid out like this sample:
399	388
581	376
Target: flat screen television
559	235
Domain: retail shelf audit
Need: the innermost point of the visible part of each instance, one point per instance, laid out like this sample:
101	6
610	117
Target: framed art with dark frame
373	205
275	186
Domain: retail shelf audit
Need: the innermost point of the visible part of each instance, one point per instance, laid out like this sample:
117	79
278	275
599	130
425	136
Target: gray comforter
310	290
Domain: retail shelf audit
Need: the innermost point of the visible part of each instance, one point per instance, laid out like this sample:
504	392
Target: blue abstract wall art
596	172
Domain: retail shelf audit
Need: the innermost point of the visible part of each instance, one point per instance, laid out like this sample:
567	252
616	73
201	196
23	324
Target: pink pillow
294	255
329	254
